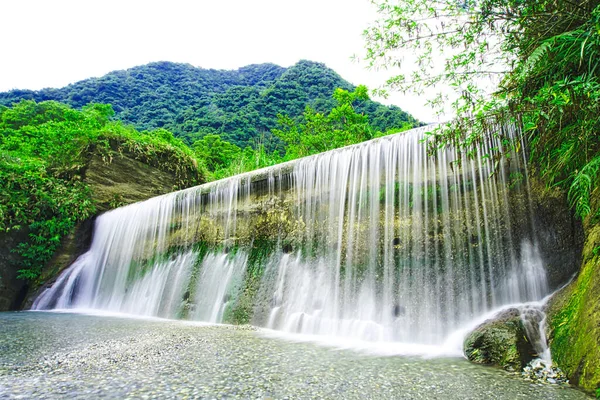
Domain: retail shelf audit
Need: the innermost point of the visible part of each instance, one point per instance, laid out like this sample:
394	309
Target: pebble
539	370
59	355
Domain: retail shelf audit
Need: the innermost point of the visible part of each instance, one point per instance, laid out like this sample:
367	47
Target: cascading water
376	241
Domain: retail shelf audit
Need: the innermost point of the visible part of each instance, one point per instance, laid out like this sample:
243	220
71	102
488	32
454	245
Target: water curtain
377	241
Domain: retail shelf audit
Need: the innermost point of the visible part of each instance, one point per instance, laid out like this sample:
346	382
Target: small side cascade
540	368
534	322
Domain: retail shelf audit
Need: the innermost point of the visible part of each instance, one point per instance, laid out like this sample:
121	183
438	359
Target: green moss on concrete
243	309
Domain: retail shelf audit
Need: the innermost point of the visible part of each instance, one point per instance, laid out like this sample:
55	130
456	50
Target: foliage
44	146
249	159
223	159
532	63
216	152
319	132
240	106
44	151
43	155
313	133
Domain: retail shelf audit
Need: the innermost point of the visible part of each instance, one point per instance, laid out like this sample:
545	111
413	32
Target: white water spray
376	241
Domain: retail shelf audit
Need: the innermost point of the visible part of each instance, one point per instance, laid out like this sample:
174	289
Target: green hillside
191	102
50	152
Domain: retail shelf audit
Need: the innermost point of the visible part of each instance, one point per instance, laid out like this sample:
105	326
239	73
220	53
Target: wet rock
398	311
574	318
276	300
559	234
11	288
501	341
542	371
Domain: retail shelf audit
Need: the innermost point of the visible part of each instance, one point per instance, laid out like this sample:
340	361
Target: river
67	355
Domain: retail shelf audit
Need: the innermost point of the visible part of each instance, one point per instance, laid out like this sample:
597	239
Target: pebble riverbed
47	355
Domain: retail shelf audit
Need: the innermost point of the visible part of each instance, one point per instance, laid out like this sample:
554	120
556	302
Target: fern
534	58
581	188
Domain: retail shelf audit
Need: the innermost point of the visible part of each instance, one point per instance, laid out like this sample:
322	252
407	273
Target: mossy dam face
376	242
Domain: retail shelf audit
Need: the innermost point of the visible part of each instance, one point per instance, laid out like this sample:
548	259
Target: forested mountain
192	102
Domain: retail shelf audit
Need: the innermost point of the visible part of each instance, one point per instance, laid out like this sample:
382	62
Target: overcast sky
54	43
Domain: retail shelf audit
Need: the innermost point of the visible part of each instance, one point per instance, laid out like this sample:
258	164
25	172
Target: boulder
501	341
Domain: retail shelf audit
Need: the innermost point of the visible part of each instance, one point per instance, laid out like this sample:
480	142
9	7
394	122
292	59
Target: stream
50	355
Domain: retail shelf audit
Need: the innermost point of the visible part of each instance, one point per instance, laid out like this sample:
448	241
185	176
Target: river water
64	355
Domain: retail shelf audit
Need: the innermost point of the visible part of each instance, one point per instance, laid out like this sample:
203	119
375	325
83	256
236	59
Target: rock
72	246
559	234
120	181
125	180
542	371
574	317
501	341
12	290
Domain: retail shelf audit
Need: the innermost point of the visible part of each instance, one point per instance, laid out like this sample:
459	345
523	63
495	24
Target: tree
315	133
320	132
216	152
44	150
533	63
241	106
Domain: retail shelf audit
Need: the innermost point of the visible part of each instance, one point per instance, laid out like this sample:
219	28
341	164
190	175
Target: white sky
54	43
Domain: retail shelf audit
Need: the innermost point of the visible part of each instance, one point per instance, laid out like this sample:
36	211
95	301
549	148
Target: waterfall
375	241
